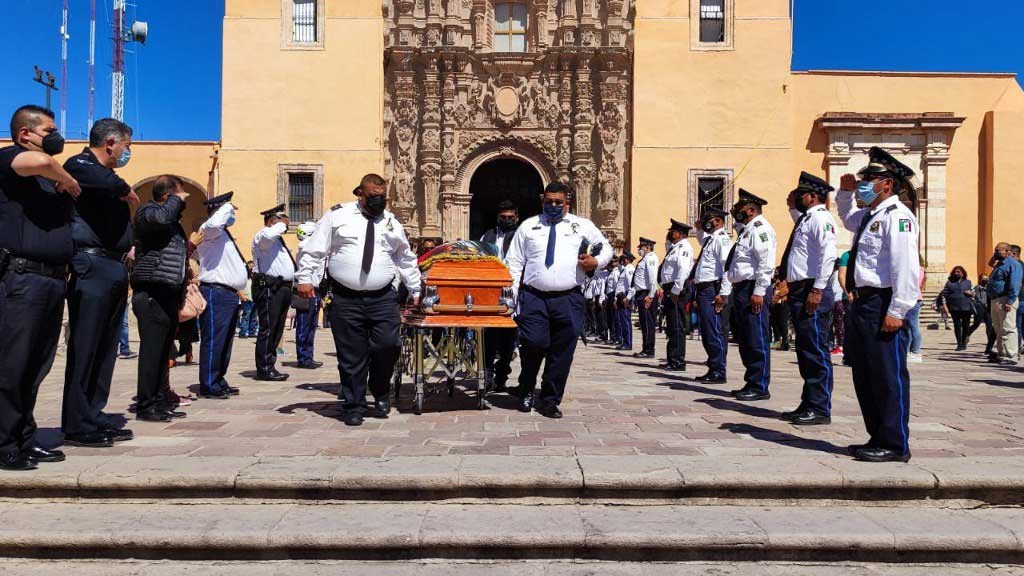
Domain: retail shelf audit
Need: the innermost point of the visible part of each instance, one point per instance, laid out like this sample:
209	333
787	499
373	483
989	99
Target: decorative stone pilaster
582	133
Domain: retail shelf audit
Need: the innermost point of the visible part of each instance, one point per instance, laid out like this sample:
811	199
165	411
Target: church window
302	24
708	188
712	24
510	27
712	20
300	187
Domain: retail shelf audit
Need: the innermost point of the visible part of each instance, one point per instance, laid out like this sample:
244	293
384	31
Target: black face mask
375	204
708	226
742	217
997	256
53	143
955	277
798	203
507	223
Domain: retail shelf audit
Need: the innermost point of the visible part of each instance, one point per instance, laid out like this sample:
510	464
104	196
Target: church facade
651	108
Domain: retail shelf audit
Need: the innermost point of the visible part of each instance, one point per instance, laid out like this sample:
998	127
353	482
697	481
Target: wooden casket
464	285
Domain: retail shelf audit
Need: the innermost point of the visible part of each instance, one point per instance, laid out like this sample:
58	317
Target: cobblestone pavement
615	405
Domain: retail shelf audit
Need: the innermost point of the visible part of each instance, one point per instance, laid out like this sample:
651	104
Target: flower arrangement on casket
465	277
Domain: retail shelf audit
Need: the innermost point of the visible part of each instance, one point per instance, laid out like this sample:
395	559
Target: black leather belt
703	285
103	253
273	281
344	292
26	266
551	293
868	291
800	284
218	285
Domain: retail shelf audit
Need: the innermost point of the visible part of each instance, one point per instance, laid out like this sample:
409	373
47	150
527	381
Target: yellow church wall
1000	205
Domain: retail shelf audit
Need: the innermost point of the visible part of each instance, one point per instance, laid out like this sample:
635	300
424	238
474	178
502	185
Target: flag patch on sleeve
829	228
906	225
764	237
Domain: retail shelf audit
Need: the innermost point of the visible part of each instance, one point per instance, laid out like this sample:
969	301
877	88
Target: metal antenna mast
117	83
92	63
64	36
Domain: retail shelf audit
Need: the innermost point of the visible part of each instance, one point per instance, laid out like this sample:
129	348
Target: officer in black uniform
98	288
35	247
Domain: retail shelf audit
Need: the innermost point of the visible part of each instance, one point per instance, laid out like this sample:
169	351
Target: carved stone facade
921	141
452	103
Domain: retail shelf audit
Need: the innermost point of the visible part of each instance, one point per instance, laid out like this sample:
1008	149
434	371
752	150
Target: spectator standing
957	300
913	320
1003	285
248	325
983	314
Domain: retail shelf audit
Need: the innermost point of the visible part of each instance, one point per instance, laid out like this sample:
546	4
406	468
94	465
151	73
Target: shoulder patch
723	240
764	236
906	225
830	228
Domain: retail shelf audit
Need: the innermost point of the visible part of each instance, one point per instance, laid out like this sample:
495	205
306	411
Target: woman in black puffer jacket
158	283
957	298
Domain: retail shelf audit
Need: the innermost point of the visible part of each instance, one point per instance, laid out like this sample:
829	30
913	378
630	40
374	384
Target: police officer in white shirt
749	269
883	275
305	320
673	276
807	270
272	280
624	300
708	277
500	343
365	247
222	275
597	303
548	259
643	295
609	302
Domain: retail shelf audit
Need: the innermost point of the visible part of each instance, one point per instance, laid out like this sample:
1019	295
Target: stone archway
499	180
195	213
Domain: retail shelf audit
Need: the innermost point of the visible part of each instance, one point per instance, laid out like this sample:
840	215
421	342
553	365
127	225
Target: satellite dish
140	31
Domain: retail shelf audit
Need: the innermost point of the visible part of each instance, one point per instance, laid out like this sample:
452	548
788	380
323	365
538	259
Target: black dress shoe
525	403
714	379
118	434
210	394
499	387
271	376
153	416
16	461
313	365
382	408
810	418
750	394
870	454
791	414
175	413
90	440
232	391
676	367
43	455
643	355
352	419
549	411
853	448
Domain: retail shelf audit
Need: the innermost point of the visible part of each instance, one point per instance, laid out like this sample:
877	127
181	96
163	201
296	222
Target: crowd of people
67	234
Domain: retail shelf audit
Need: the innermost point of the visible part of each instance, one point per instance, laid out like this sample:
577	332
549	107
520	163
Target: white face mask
795	214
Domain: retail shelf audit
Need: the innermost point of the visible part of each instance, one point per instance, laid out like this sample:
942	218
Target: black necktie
232	238
784	266
638	264
703	246
288	252
506	242
850	276
662	265
732	255
368	245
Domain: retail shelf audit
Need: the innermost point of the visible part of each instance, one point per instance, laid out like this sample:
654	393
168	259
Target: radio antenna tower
138	33
64	36
92	63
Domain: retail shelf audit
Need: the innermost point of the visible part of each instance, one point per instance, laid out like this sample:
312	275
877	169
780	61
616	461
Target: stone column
933	243
564	120
430	153
583	130
839	156
404	138
456	207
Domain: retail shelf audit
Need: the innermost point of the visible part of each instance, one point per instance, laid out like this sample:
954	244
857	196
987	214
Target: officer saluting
222	275
305	321
271	289
548	267
642	292
365	247
883	273
807	268
749	269
35	248
709	274
672	277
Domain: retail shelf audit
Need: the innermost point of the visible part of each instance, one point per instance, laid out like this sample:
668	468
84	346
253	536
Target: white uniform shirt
270	254
318	278
339	238
499	240
600	280
625	281
611	283
220	262
887	252
813	253
754	258
527	252
711	262
677	266
645	276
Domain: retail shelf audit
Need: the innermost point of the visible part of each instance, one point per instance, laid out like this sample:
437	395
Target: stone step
21	567
426	478
402	531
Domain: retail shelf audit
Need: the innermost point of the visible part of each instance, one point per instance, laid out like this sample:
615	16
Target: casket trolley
466	289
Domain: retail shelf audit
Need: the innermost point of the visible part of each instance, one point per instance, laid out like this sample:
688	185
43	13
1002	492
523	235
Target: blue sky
173	87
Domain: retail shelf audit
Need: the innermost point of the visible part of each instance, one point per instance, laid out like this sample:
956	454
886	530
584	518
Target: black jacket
956	300
161	249
102	218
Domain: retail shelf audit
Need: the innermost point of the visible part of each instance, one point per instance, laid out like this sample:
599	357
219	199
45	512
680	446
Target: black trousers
780	322
271	304
674	329
31	309
156	309
601	317
880	375
549	328
611	318
647	317
961	325
366	331
499	346
97	296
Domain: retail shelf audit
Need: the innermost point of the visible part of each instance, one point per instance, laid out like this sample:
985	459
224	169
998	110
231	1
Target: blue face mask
125	157
554	212
866	192
231	221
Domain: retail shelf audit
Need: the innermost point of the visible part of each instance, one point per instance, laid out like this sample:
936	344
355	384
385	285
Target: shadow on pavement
784	438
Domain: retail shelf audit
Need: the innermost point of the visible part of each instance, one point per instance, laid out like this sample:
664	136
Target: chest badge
875	226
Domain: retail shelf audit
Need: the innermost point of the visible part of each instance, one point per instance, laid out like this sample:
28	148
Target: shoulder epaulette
335	207
758	223
891	208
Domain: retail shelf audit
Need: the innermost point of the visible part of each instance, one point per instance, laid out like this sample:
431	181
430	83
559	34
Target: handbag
193	305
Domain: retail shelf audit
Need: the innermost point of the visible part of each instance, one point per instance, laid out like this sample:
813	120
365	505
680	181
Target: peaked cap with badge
813	184
218	201
750	198
275	211
679	226
712	212
647	242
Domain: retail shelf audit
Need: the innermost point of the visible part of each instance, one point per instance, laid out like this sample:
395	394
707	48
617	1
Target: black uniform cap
647	242
627	255
813	184
881	163
679	226
749	198
218	200
275	211
713	213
